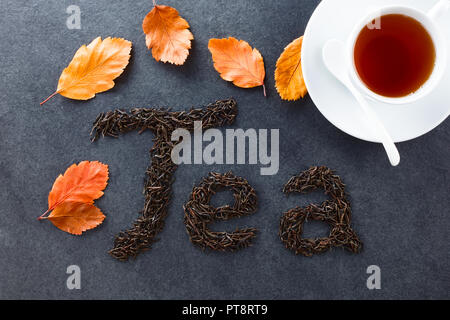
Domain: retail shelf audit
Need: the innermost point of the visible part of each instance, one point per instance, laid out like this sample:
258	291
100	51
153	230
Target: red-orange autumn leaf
72	196
93	68
76	217
167	35
236	61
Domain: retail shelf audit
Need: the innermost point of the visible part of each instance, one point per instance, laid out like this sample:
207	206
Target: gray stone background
401	214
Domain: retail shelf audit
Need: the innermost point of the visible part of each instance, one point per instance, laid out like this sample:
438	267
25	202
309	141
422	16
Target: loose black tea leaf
198	212
335	212
157	188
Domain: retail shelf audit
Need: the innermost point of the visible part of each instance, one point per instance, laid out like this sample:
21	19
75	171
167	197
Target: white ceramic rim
439	44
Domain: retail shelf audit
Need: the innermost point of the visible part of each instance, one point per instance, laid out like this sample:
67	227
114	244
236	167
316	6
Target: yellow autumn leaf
288	73
93	68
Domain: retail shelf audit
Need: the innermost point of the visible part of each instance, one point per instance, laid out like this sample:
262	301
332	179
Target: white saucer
336	19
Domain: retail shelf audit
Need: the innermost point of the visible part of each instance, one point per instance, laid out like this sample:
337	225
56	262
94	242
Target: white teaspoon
333	54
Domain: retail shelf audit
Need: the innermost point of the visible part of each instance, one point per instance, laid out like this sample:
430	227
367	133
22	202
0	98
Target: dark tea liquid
397	59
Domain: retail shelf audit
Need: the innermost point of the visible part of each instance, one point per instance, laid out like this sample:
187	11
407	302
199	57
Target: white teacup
428	20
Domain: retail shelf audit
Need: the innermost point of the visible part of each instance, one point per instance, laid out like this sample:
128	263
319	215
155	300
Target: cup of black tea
398	54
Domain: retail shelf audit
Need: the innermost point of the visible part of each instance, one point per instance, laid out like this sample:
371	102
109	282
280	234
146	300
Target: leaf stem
51	96
264	90
42	215
154	3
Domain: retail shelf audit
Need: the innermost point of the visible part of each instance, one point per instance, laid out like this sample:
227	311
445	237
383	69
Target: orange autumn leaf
72	196
80	183
236	61
76	217
93	69
167	35
288	73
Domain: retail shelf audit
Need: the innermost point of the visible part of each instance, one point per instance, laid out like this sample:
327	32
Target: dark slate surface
401	214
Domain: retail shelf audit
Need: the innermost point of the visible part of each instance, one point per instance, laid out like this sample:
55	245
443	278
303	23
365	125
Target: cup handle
439	9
